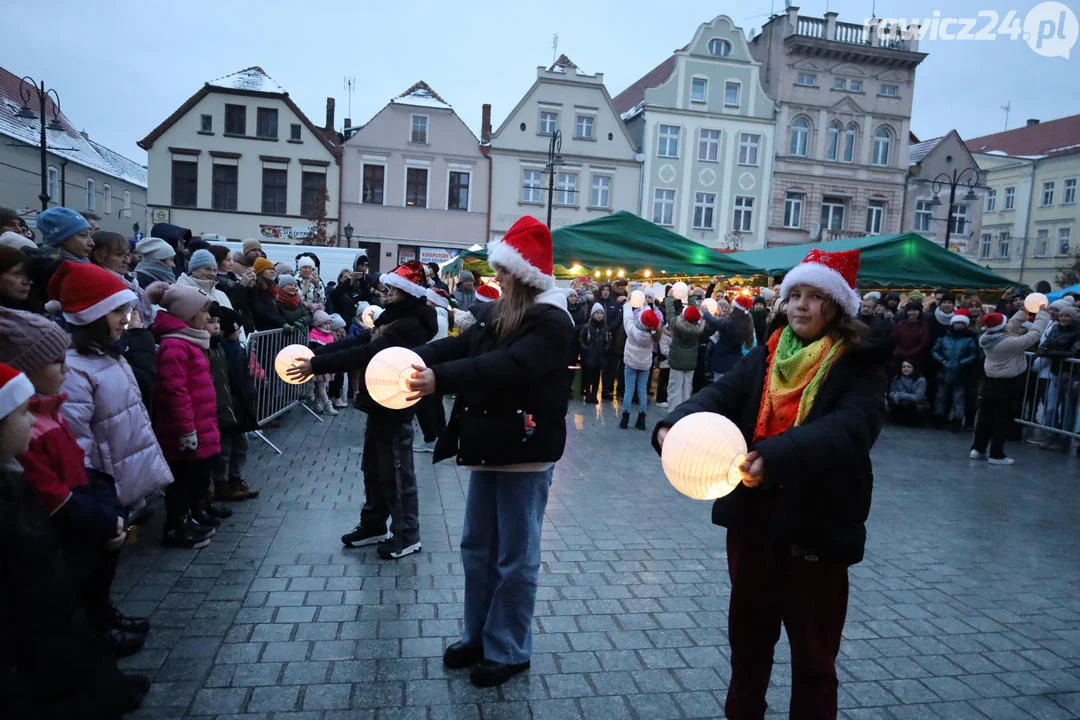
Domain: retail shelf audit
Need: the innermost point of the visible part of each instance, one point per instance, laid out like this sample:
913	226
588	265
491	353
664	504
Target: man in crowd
464	295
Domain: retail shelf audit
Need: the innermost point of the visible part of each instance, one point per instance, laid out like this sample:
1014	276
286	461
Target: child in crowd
954	352
337	384
185	417
219	371
595	339
321	335
908	404
229	483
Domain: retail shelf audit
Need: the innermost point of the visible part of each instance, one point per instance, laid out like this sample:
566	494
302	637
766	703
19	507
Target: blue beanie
57	224
200	259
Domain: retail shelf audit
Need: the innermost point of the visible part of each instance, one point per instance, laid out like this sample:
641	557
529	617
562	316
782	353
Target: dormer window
719	47
419	128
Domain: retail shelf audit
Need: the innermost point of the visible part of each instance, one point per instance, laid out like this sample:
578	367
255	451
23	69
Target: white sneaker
663	404
1001	461
330	409
976	455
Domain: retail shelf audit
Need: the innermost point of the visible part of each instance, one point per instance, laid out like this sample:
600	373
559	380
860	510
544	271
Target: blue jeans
635	379
500	549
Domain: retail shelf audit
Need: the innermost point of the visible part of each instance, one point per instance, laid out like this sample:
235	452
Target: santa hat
84	292
649	319
438	297
742	302
961	316
691	314
15	389
525	252
833	273
993	322
487	293
408	277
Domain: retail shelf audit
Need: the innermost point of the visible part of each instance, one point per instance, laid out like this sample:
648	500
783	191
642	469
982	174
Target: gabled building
706	130
415	184
79	173
240	159
931	167
599	172
844	95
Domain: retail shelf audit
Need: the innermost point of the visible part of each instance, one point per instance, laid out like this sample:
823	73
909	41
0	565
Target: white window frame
566	189
1010	198
412	129
664	202
882	147
749	143
707	146
991	200
851	134
546	119
1042	242
924	216
1068	193
528	190
832	141
91	194
742	214
461	171
127	203
1047	194
722	47
364	164
584	121
600	192
806	79
729	85
836	208
889	90
793	207
702	83
959	219
985	244
800	131
1064	233
1004	240
52	183
666	135
875	217
704	209
106	199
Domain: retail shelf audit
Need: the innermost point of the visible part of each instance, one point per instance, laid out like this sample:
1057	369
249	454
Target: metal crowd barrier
274	396
1050	398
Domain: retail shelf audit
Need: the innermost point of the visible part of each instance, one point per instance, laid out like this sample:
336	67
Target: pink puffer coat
110	422
185	401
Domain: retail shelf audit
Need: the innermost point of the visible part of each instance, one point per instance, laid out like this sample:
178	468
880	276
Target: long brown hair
517	298
744	327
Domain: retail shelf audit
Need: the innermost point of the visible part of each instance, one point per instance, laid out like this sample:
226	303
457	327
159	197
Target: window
224	190
185	183
584	126
663	209
882	140
311	187
549	122
206	123
530	186
235	119
832	214
807	79
839	84
601	192
416	186
890	90
719	47
418	129
374	185
875	216
984	245
1063	240
1048	193
1003	244
566	189
266	123
731	93
91	193
744	214
1042	242
832	144
793	203
849	143
52	183
1069	197
106	198
958	220
749	144
699	90
127	203
800	136
991	200
275	186
459	190
924	216
1010	197
855	86
709	146
668	145
704	205
294	132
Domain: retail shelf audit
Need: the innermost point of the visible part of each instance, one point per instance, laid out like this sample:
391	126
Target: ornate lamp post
953	180
27	88
553	163
348	230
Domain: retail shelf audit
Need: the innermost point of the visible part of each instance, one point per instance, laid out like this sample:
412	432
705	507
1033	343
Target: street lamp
348	234
953	180
27	88
554	161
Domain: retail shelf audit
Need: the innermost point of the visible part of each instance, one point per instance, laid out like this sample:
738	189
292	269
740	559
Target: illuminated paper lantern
637	299
701	456
1035	302
370	314
289	356
711	305
388	374
680	291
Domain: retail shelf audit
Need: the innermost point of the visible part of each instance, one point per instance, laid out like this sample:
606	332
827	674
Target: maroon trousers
771	585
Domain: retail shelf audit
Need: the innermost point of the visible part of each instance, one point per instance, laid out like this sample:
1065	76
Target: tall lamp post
348	230
27	88
953	180
553	163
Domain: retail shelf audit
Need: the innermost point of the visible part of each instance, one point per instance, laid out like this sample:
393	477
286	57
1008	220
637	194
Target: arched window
90	193
849	143
800	136
832	145
882	140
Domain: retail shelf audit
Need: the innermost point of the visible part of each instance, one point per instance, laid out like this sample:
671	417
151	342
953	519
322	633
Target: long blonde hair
517	298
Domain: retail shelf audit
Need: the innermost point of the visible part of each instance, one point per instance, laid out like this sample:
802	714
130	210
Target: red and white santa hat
960	316
15	389
833	273
438	297
487	293
993	322
84	292
691	314
408	277
742	302
525	252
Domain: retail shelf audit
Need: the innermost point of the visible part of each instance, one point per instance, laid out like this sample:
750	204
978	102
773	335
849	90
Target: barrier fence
1051	390
274	396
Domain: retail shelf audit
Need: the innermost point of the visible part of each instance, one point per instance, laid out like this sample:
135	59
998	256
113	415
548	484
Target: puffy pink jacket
185	401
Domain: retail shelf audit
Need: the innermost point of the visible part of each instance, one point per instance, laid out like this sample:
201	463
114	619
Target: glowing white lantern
701	456
368	317
711	305
1035	302
680	291
289	356
637	299
388	374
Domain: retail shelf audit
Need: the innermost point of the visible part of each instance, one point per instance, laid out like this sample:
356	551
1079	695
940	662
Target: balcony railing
879	35
827	234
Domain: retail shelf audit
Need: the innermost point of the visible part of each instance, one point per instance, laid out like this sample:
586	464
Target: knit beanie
649	319
691	314
282	268
285	279
597	307
1070	310
320	318
183	301
10	257
251	244
57	224
305	261
15	389
201	259
17	241
336	322
84	292
30	341
229	319
153	248
262	264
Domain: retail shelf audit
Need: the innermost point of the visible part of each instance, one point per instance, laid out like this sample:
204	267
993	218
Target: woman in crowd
734	337
640	328
310	287
202	274
112	252
911	338
14	280
595	339
288	299
908	404
262	297
157	263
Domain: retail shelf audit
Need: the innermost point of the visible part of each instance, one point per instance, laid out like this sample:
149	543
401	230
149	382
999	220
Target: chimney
329	113
1032	121
793	19
485	123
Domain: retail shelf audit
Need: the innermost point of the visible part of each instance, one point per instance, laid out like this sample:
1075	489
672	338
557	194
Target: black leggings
1000	406
189	490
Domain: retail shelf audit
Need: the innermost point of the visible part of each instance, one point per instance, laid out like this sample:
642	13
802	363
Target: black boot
625	422
640	424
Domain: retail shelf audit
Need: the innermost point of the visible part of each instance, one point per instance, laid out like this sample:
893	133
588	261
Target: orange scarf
793	376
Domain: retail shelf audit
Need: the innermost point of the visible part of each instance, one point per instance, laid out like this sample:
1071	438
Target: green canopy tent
907	260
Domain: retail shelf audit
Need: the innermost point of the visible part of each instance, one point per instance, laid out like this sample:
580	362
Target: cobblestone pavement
965	607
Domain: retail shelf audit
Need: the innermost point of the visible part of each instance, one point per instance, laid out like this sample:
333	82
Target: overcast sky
121	67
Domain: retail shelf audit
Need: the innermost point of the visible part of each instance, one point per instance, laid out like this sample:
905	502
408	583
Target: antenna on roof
1007	107
554	48
873	9
350	83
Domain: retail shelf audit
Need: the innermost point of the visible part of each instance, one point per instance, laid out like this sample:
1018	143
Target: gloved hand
189	443
121	535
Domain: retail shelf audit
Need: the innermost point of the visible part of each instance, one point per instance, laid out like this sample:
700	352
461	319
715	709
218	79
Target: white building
240	159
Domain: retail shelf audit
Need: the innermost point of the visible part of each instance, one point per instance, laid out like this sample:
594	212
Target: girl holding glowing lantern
810	404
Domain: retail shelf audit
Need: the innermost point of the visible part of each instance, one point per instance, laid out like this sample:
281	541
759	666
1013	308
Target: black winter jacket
502	385
818	476
265	312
